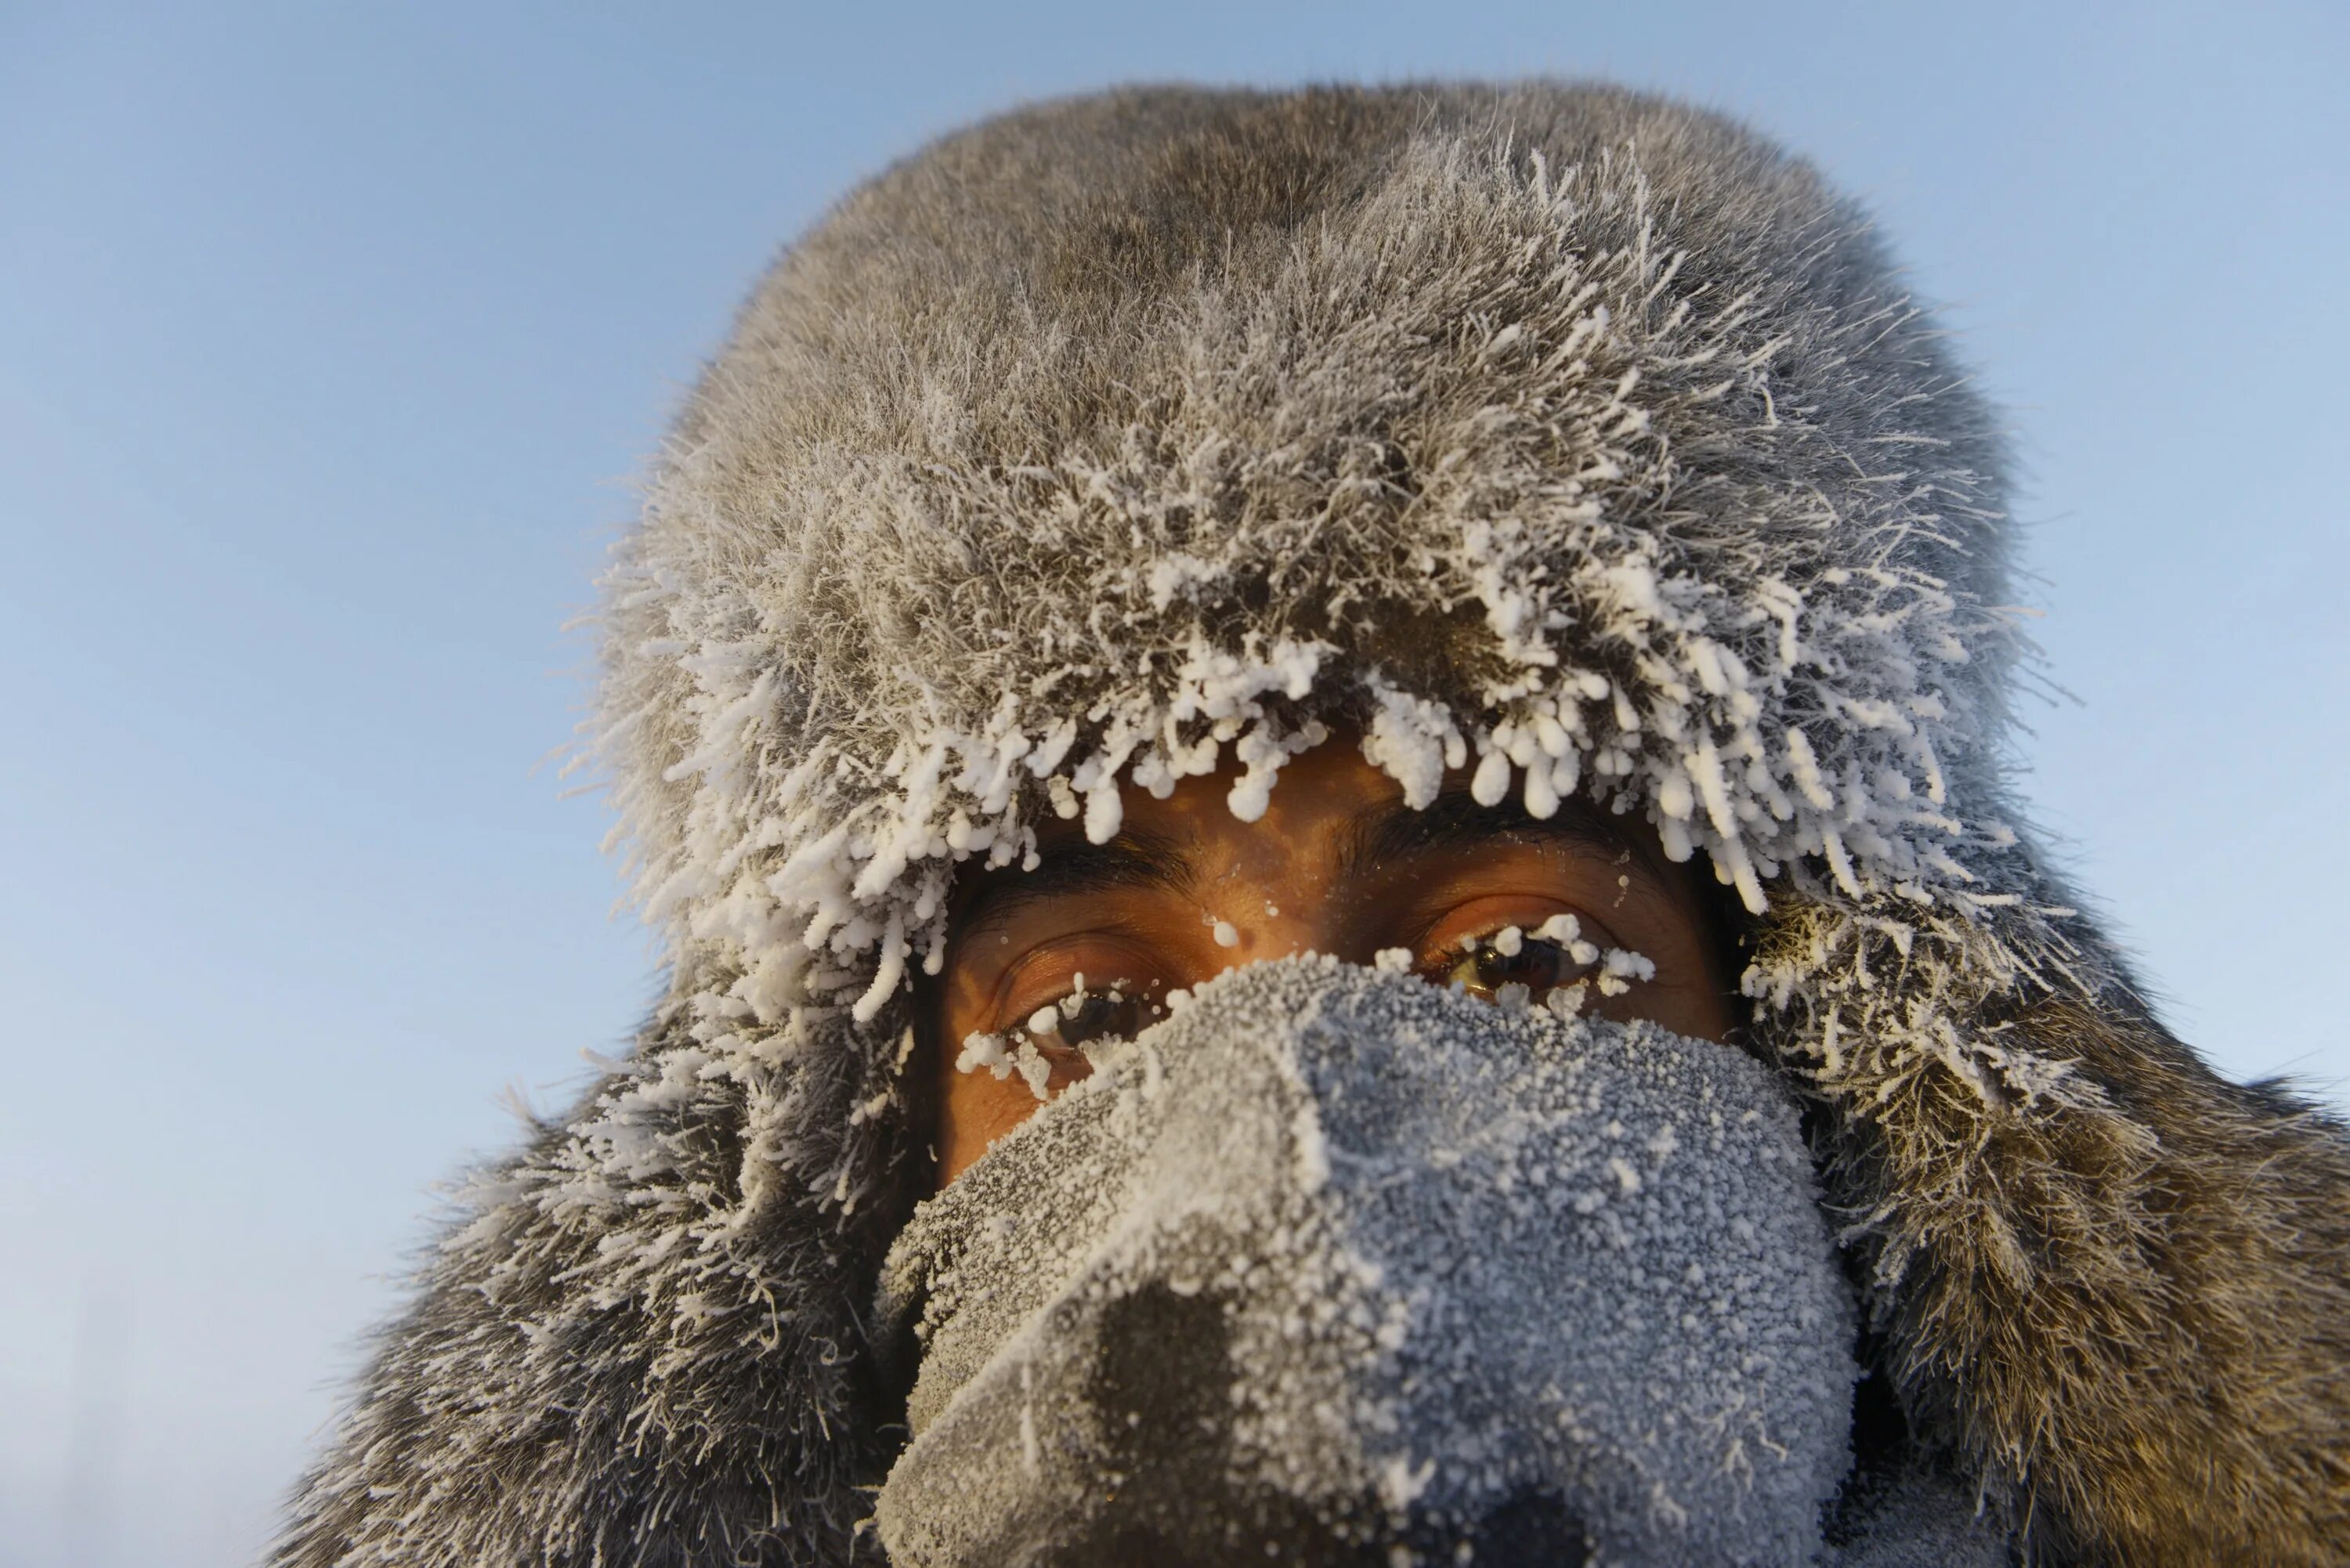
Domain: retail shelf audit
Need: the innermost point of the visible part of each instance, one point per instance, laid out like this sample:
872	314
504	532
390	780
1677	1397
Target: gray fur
903	586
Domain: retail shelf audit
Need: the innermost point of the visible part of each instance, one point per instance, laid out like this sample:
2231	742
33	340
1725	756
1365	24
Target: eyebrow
1134	859
1381	834
1373	838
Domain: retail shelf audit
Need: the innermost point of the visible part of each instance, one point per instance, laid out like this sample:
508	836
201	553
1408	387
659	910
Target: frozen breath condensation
1334	1255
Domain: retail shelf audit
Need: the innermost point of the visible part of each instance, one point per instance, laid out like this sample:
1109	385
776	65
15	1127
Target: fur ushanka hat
1569	437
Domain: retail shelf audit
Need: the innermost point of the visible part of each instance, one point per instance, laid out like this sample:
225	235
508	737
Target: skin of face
1337	863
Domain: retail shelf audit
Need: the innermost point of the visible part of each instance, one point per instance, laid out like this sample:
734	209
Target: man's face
1460	894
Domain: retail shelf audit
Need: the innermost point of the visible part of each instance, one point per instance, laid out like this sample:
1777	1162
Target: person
1328	781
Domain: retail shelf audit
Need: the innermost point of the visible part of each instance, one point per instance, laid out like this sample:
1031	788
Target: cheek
1684	997
974	1109
1692	1011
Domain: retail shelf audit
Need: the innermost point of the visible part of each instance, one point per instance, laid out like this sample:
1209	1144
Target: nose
1162	1377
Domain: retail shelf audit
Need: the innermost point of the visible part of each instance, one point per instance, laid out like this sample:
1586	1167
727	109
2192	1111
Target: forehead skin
1337	863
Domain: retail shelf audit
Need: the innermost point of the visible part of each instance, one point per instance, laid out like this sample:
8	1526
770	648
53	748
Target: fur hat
1568	436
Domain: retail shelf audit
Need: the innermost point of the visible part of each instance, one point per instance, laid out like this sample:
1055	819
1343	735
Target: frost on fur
1498	462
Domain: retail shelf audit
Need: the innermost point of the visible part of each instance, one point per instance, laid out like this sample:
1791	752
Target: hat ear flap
2115	1284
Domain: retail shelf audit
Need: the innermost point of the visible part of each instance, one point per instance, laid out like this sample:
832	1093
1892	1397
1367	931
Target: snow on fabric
1337	1251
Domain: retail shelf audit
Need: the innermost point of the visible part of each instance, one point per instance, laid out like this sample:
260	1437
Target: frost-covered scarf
1337	1267
1567	438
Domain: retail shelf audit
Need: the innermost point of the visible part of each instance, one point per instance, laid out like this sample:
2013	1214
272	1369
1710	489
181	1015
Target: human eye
1084	1016
1554	964
1054	1035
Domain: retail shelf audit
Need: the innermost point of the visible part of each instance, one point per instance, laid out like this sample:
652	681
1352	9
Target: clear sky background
331	335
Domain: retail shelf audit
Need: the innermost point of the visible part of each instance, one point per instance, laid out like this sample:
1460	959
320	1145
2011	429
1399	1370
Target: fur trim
1563	433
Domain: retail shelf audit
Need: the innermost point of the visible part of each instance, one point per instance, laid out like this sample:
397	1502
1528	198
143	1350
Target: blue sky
331	335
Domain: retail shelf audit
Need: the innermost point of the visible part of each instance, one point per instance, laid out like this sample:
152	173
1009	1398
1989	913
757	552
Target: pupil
1535	965
1099	1018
